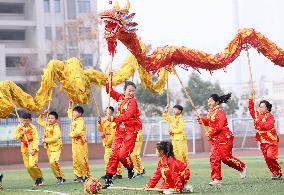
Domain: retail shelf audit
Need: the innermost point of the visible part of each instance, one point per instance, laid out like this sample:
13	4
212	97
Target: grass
258	181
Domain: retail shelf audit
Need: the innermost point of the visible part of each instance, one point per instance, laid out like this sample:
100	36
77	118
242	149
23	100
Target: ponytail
221	99
166	148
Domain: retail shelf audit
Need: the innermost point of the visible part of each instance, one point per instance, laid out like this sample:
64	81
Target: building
273	91
34	31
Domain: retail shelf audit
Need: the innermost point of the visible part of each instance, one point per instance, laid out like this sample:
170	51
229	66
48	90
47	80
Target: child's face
76	114
26	121
129	91
262	108
108	110
51	119
212	103
176	111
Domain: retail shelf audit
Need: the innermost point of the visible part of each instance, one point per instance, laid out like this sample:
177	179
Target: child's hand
199	120
99	119
167	108
45	112
146	188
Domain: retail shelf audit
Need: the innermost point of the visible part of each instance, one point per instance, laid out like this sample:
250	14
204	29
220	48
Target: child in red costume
175	173
266	134
221	139
128	123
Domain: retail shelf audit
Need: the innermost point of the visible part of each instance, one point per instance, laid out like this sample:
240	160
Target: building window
84	6
49	57
46	6
87	59
60	57
12	35
59	33
57	6
48	33
13	61
83	31
11	8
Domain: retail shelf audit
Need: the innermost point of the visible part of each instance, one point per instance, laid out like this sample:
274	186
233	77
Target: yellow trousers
53	158
31	164
80	159
135	157
180	150
107	155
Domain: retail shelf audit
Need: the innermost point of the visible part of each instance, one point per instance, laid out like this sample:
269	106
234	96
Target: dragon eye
117	13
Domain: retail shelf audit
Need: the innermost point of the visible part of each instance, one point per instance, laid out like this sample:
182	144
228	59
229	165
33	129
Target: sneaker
187	188
39	182
130	173
108	183
60	180
243	173
1	178
138	175
85	178
78	179
103	177
215	182
143	172
117	177
276	176
167	191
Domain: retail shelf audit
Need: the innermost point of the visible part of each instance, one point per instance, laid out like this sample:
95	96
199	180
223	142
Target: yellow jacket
32	137
78	129
107	129
52	135
177	126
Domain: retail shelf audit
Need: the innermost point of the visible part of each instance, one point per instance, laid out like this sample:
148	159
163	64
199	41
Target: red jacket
264	125
218	125
128	112
174	173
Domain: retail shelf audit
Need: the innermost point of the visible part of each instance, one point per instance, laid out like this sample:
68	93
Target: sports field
257	182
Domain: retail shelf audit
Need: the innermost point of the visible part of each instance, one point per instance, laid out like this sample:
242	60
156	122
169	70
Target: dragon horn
116	6
127	6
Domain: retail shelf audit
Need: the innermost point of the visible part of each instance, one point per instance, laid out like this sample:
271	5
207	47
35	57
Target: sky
208	26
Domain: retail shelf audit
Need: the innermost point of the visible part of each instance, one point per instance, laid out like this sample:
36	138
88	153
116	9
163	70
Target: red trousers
270	153
122	147
223	152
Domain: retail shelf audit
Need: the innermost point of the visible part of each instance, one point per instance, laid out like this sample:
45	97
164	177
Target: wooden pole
140	189
109	80
190	101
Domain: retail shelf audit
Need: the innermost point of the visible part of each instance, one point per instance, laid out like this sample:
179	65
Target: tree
200	90
151	104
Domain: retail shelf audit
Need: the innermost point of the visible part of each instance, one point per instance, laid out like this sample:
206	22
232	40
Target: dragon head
118	20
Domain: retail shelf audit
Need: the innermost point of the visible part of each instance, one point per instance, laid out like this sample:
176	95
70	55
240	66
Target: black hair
79	109
26	115
53	113
111	108
166	147
179	107
267	104
127	83
221	99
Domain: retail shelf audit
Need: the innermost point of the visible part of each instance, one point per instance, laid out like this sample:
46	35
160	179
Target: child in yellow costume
26	132
107	130
79	144
177	133
135	156
52	142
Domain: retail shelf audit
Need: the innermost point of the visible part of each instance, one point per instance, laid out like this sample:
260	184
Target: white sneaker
168	192
243	173
187	188
215	182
